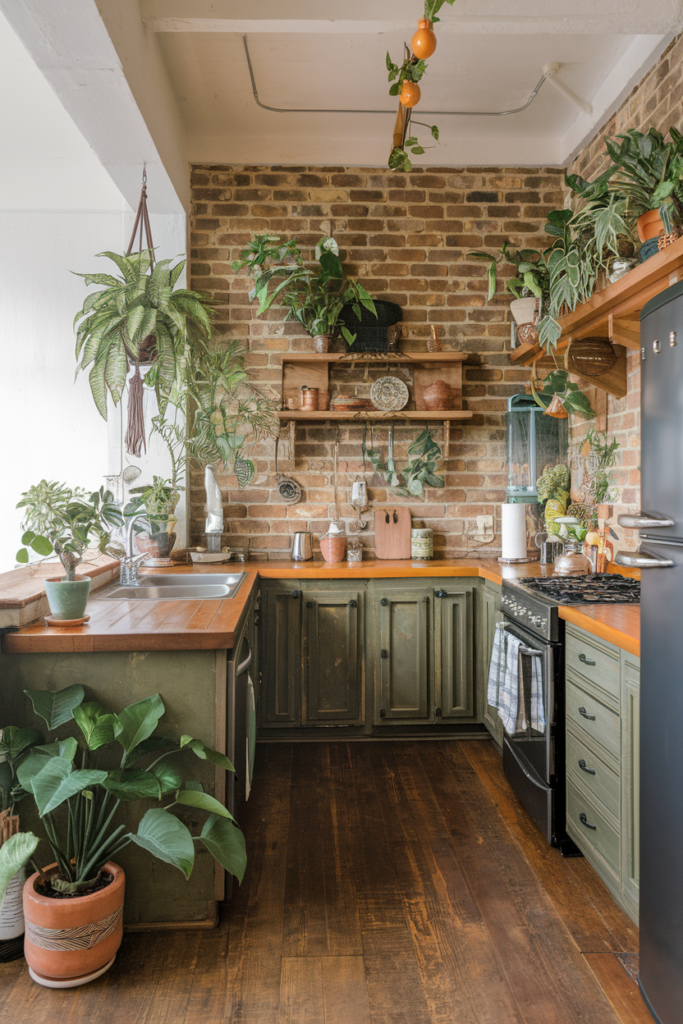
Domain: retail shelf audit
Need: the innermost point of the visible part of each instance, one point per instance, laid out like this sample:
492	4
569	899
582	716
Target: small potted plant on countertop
159	500
59	520
77	798
313	296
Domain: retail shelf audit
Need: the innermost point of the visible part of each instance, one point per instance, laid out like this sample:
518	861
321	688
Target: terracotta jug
423	42
410	94
438	396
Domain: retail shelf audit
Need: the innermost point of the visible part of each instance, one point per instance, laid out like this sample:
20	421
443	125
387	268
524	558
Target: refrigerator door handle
642	560
644	521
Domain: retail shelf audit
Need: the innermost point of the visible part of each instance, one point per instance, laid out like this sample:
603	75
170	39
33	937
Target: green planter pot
68	600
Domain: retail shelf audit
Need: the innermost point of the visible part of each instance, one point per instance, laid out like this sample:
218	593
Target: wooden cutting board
392	538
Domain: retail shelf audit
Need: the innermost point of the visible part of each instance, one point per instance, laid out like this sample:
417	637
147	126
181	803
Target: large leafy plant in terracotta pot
77	795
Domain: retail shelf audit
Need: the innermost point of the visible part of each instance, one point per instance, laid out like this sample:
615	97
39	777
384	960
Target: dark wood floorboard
388	883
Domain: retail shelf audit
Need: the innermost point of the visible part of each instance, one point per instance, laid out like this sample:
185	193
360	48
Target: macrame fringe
135	435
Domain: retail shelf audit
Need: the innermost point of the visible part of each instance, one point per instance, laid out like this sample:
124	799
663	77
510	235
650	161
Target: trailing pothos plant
424	456
558	385
77	793
531	271
138	316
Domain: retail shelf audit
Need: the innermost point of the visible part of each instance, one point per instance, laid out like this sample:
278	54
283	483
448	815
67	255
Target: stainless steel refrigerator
661	725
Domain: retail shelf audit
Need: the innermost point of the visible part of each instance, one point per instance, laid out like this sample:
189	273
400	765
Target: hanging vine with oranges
405	80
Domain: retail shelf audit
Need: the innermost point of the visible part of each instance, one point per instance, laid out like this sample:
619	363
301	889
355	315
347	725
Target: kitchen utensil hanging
288	489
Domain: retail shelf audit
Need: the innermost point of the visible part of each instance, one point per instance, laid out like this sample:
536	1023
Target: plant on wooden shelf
424	456
648	172
139	317
531	280
565	396
59	520
78	795
312	295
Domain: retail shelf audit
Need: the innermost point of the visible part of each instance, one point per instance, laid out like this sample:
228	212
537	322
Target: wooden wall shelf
614	312
375	415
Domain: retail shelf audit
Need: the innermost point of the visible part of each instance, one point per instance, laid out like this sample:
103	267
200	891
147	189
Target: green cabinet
490	615
332	656
400	653
281	654
454	650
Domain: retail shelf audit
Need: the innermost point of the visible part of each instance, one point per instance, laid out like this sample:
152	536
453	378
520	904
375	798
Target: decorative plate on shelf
389	394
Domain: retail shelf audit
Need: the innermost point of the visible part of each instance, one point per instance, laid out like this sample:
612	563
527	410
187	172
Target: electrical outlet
485	532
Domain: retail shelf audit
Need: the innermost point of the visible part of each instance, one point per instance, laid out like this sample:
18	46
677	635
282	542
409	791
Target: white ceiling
45	163
490	56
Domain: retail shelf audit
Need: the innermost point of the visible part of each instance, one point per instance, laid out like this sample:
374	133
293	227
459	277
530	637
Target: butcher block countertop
211	624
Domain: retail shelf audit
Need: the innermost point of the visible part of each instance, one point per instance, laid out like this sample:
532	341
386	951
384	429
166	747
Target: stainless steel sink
190	586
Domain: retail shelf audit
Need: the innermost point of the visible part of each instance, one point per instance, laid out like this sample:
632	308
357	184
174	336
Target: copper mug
309	399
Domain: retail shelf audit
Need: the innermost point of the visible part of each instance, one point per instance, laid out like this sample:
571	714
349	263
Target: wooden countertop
211	624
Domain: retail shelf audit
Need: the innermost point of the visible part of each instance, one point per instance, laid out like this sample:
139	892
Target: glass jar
354	550
333	543
422	544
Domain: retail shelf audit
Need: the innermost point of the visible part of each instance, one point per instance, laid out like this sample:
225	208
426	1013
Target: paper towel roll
514	531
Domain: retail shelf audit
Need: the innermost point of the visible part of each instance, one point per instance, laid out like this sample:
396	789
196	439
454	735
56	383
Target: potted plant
648	172
59	520
529	284
77	796
564	395
313	296
139	317
159	500
424	456
14	746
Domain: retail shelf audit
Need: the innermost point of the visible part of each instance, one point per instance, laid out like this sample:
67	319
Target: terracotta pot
437	396
333	548
68	940
556	409
650	226
322	342
323	400
410	94
309	399
423	43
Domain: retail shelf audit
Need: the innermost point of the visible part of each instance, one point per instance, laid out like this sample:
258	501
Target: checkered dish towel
504	686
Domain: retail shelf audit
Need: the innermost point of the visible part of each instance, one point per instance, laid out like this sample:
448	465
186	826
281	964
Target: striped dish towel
510	708
497	666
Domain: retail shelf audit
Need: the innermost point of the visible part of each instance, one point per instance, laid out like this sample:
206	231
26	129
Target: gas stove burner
598	588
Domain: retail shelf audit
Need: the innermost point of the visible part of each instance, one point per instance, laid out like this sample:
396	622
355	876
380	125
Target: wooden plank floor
388	883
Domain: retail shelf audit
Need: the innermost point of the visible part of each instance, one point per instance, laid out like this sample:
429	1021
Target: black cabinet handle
295	594
382	713
585	660
584	821
437	712
309	604
582	711
353	604
582	766
440	593
384	602
384	653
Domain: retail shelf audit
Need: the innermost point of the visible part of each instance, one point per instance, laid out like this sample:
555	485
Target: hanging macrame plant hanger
145	356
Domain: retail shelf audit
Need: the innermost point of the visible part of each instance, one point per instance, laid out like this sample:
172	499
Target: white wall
49	426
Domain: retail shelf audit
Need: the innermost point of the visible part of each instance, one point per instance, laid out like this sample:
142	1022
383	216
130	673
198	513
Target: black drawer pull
385	653
382	713
384	602
309	604
440	593
295	594
585	660
584	821
582	711
353	604
582	766
438	712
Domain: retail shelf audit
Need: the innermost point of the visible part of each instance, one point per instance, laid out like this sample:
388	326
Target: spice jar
309	399
422	544
354	550
333	543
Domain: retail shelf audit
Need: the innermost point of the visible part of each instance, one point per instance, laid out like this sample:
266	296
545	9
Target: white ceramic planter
12	913
524	310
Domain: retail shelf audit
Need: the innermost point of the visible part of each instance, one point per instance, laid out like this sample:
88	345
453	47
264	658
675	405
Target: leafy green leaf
15	852
226	843
168	775
56	708
153	745
138	721
67	749
165	837
204	802
206	753
58	782
133	784
16	741
96	724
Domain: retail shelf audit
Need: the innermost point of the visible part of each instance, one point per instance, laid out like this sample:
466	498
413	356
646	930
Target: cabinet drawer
600	781
596	664
586	714
602	838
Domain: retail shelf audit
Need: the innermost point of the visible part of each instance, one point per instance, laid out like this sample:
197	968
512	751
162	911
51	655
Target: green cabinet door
332	656
490	615
453	650
630	782
281	653
400	634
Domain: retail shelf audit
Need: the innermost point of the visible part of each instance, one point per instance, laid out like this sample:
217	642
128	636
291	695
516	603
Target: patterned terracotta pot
70	941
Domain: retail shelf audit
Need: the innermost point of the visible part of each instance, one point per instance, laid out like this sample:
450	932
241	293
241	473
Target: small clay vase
438	396
556	409
410	94
423	43
333	544
322	342
649	225
323	400
309	399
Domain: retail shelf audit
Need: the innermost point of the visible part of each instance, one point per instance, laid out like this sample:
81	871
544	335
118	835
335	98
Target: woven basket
370	331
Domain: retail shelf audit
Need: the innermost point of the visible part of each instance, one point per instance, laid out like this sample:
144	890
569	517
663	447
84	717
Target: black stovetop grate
598	588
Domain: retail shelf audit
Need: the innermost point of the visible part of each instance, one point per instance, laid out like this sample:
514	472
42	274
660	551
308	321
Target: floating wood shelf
374	414
613	312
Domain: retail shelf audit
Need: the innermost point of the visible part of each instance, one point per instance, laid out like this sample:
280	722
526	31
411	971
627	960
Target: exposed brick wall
405	238
655	101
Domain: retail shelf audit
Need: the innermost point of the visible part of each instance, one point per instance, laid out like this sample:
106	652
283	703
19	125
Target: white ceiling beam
306	17
126	129
642	54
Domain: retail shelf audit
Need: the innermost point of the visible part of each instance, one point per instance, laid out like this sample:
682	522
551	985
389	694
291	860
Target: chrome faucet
129	563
